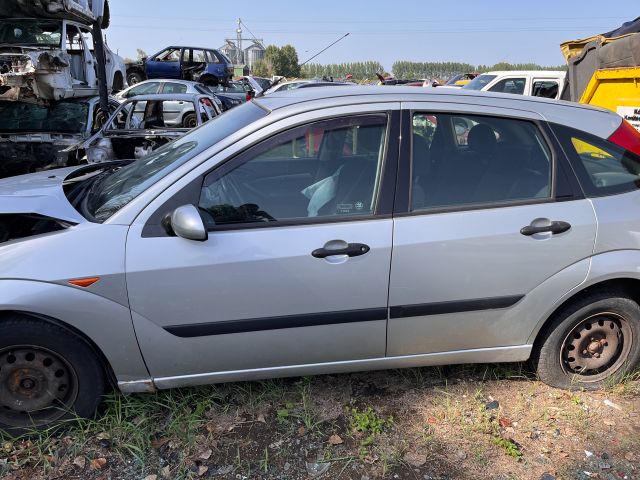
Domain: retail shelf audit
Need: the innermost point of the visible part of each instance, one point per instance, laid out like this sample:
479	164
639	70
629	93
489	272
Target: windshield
59	117
479	82
121	186
31	32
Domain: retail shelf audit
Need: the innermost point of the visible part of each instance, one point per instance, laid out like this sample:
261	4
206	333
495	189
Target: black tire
189	120
52	374
134	78
209	81
592	342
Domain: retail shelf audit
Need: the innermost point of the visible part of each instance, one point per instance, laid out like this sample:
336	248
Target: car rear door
490	230
291	274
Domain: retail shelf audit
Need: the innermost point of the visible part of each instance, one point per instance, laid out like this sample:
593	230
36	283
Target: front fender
105	322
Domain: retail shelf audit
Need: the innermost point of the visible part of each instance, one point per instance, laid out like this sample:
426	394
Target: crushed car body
45	60
33	136
143	123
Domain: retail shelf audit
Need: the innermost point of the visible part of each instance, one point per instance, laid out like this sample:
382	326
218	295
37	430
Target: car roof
185	97
592	119
194	48
539	73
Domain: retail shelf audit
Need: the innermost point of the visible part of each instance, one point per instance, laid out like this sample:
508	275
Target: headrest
482	139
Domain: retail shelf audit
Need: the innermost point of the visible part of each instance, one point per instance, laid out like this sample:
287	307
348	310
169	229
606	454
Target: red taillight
249	96
626	137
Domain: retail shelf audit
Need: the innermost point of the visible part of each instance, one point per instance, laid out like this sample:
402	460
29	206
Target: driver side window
325	169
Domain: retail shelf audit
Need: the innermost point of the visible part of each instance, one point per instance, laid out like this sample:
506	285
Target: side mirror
186	222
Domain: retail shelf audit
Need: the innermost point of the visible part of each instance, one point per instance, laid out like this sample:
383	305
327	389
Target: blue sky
473	31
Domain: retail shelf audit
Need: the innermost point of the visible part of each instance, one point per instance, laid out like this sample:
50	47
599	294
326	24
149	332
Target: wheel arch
102	358
627	286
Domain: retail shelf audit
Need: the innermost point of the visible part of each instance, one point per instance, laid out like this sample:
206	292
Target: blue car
205	65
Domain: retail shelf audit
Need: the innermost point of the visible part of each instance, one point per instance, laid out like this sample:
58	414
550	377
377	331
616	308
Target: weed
368	421
510	447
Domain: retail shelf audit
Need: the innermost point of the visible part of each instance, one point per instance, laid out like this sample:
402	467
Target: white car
535	83
52	59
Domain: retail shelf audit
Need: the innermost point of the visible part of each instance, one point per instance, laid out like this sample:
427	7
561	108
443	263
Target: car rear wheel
47	375
134	78
592	342
190	120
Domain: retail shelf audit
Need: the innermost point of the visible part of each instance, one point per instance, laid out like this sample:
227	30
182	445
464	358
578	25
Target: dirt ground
464	422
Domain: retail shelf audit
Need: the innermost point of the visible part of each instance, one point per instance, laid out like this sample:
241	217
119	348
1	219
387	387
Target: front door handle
553	227
351	250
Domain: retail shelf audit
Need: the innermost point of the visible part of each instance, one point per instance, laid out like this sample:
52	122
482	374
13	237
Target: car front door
295	268
489	233
166	64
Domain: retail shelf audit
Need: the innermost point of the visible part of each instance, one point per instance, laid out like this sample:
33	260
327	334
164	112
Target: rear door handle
553	227
352	250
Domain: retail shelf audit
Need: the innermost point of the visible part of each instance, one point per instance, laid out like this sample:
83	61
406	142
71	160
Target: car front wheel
47	375
592	342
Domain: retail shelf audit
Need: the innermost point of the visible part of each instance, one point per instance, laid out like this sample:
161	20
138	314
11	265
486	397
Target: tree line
359	70
446	70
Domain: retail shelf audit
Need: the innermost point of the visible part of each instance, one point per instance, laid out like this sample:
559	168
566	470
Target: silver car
326	230
180	110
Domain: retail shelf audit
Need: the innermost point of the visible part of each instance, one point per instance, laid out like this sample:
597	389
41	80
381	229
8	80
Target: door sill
516	353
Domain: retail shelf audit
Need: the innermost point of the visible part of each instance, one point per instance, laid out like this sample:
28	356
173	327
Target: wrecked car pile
51	57
49	81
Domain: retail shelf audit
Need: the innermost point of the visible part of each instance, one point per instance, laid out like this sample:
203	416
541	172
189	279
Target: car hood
39	193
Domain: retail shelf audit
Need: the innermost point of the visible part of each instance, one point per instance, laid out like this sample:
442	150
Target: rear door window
171	87
510	85
545	88
603	168
468	160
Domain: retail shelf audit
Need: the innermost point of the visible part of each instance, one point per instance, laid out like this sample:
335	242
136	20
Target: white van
536	83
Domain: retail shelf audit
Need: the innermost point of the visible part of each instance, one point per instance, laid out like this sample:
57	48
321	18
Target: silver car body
179	109
99	147
266	274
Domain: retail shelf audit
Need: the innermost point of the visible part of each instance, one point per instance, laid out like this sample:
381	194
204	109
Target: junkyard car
145	122
51	59
205	65
150	87
326	230
32	136
536	83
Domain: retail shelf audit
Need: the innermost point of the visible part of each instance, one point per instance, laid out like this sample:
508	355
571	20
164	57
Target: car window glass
198	56
170	55
471	159
144	89
545	88
510	85
170	87
605	165
231	88
325	169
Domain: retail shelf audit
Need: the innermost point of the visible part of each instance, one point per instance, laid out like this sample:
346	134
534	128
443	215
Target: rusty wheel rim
37	386
596	347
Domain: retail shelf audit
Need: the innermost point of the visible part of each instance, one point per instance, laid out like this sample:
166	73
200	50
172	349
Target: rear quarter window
602	167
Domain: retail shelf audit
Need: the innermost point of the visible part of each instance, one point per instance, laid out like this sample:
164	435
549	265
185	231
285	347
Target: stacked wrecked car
49	80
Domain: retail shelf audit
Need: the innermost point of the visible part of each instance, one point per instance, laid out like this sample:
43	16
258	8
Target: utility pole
239	51
239	57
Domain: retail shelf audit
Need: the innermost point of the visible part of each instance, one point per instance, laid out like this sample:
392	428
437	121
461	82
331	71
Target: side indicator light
84	282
